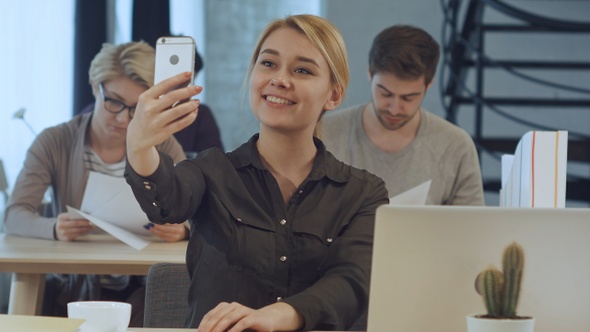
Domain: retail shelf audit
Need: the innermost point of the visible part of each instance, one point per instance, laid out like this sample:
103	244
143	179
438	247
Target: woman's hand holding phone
158	116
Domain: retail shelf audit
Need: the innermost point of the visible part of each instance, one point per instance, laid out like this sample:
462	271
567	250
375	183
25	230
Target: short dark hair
405	51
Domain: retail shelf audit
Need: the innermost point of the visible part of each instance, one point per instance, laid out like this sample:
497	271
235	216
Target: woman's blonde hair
134	60
324	35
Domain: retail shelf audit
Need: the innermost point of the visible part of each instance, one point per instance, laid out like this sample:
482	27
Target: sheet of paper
23	323
414	196
111	199
129	238
99	190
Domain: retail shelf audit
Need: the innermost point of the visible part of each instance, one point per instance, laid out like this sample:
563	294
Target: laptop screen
426	259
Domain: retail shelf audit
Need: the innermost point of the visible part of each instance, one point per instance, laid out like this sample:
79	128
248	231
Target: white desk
30	259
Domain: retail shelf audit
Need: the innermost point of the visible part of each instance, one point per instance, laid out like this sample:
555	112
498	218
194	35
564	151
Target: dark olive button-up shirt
247	246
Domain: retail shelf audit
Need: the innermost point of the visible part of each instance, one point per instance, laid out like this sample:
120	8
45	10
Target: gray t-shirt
441	152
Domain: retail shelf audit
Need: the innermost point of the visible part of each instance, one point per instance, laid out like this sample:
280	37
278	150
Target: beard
390	121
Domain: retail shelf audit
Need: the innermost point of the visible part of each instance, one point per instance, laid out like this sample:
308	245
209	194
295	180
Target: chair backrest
166	300
3	181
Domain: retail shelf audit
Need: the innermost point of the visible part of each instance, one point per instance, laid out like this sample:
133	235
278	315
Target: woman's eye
302	71
266	63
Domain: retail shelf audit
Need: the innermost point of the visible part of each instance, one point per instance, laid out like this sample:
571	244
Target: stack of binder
535	176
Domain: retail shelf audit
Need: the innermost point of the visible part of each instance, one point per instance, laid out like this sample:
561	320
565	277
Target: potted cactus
500	292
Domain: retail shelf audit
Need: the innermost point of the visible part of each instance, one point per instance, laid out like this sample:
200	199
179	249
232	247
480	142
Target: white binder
535	176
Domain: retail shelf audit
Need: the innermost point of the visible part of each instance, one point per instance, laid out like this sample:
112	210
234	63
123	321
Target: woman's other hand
234	317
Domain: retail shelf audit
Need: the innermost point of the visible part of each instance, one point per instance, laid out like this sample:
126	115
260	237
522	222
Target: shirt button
155	204
301	191
147	187
283	221
239	219
283	258
279	299
329	240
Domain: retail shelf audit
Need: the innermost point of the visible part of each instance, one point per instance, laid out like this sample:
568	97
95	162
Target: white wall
36	73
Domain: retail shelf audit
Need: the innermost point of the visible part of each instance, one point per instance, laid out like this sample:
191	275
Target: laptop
426	259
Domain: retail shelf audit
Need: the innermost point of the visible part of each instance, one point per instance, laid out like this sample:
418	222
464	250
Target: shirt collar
247	154
325	164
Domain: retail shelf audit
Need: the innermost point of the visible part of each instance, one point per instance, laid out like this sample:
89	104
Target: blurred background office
508	66
532	70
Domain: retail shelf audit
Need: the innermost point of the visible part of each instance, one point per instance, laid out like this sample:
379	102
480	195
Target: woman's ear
334	99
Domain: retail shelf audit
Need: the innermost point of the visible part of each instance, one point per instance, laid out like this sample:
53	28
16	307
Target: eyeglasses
115	106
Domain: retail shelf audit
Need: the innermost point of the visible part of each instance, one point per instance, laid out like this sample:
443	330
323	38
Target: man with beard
393	137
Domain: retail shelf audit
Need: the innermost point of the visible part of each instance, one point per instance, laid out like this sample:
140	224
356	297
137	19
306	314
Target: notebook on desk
426	259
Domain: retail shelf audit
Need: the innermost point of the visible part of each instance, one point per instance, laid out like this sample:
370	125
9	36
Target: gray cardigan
56	160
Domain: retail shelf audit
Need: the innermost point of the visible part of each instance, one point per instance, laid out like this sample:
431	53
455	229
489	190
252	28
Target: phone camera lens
163	40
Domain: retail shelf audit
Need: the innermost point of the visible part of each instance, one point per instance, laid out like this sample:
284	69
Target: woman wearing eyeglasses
61	158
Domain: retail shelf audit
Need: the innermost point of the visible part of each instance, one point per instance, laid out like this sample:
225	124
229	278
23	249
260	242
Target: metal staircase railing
465	65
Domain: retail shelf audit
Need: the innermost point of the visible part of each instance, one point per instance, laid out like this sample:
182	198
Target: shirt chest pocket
247	237
322	230
315	244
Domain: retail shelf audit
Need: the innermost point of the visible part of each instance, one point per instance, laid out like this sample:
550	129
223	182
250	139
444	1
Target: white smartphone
175	55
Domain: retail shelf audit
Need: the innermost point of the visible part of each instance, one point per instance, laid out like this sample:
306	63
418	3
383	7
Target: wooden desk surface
30	259
93	254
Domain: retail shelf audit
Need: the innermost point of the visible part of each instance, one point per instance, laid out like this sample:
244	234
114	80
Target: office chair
166	300
4	277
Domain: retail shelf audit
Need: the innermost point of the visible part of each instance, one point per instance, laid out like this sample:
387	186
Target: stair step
578	190
529	102
583	28
578	150
573	65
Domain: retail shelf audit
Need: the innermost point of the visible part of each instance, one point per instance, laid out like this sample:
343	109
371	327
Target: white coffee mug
101	316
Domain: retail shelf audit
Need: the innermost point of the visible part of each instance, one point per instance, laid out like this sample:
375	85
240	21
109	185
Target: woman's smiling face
290	84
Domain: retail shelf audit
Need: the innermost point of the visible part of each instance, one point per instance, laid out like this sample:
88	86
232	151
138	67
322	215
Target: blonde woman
281	232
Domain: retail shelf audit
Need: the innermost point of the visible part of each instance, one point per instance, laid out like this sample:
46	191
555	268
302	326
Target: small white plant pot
477	324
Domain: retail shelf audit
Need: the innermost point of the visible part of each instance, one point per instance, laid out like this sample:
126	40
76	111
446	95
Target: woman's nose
124	117
280	82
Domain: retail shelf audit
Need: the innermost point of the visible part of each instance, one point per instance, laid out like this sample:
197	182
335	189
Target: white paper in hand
414	196
111	199
129	238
